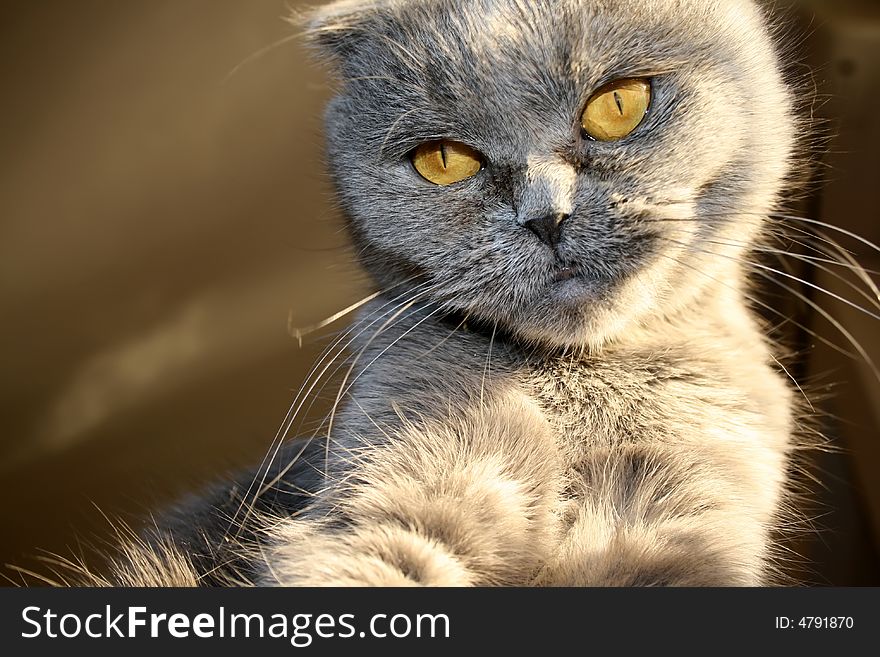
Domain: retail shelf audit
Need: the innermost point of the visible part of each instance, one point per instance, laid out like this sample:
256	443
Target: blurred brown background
164	213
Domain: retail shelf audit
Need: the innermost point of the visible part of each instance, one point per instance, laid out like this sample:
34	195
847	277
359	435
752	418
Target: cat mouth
564	274
571	283
567	273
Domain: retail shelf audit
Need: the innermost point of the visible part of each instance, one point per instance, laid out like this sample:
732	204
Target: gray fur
624	427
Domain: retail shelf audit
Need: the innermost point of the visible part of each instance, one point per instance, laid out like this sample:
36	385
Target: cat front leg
466	501
669	515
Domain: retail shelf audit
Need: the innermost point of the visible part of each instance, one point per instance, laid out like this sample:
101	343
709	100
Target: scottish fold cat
562	379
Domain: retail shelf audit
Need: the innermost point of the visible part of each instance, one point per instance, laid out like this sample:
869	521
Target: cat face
476	151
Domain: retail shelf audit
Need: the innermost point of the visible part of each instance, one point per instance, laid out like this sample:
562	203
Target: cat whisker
855	268
344	389
488	366
837	255
258	55
827	226
299	333
874	300
283	472
773	310
447	338
393	128
300	398
795	382
854	265
825	314
786	220
757	302
308	395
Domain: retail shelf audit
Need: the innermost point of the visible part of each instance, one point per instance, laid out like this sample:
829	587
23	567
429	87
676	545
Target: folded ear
335	29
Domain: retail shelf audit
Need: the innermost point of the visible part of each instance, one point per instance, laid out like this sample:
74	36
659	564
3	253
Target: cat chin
587	337
589	314
575	292
576	316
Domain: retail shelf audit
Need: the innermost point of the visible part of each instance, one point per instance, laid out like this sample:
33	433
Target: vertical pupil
619	102
443	154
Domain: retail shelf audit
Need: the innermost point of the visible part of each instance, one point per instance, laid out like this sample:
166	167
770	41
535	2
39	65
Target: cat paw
382	556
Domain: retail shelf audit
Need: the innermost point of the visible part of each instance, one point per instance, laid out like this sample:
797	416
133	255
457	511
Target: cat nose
548	228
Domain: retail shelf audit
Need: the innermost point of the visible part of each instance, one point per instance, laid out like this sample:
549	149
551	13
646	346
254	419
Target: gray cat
561	382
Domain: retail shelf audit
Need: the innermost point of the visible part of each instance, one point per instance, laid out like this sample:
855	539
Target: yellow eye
617	109
445	162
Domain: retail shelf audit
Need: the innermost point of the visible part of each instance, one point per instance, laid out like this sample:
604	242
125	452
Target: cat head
562	168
